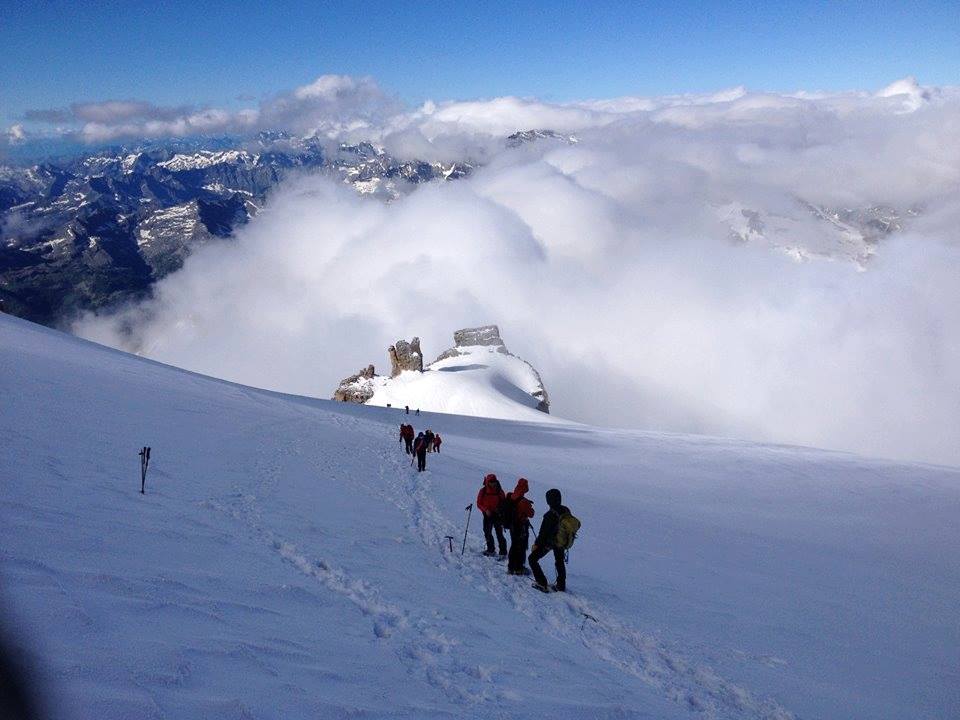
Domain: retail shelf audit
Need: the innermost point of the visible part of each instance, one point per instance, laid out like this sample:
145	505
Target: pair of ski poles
144	462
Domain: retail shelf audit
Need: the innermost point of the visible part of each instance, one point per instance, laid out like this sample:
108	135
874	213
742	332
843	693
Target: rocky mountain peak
405	356
356	388
483	335
526	136
482	351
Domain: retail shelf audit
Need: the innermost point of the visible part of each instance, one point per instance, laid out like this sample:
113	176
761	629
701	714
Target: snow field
288	562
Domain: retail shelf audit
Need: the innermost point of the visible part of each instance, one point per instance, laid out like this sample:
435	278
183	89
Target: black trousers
490	523
409	442
421	461
541	552
517	557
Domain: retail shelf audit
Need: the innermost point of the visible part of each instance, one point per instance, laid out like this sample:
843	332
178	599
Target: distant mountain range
96	230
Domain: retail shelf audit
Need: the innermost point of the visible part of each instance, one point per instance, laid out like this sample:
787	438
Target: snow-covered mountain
97	230
526	136
804	231
478	376
286	561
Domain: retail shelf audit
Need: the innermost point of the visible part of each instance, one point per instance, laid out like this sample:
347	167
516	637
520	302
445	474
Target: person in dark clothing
546	542
488	502
420	448
407	434
436	443
407	408
521	510
428	436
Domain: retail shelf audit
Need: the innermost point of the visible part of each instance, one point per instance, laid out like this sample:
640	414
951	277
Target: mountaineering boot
541	588
558	587
489	553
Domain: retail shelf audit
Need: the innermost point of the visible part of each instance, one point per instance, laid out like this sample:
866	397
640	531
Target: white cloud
16	134
607	264
332	105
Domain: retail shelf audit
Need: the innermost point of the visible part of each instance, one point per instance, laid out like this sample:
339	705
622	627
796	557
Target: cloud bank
331	106
609	265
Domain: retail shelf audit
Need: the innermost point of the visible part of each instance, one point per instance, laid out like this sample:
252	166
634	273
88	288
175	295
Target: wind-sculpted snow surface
286	561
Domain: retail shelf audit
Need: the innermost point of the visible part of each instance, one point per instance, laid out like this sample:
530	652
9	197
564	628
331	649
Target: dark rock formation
356	388
483	336
405	356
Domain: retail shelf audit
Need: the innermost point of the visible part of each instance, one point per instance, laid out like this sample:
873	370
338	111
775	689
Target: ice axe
469	511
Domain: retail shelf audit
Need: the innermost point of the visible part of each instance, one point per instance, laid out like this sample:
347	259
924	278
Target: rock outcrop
489	336
477	341
405	356
356	388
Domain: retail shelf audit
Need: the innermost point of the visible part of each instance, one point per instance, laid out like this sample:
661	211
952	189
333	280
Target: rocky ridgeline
407	356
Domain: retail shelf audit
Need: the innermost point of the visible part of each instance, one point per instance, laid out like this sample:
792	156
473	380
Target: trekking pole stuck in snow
449	539
469	511
144	462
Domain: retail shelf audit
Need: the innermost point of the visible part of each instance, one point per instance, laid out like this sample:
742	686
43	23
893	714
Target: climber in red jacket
488	502
516	513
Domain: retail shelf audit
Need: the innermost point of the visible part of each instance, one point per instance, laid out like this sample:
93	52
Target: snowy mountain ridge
805	231
478	376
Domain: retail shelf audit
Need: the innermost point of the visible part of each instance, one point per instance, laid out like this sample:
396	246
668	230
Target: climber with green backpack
558	530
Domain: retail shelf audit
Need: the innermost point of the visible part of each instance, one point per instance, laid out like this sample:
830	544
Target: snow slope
481	382
286	563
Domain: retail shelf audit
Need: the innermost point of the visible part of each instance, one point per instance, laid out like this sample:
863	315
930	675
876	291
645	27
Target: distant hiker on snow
429	437
515	512
558	530
436	443
420	448
407	435
488	502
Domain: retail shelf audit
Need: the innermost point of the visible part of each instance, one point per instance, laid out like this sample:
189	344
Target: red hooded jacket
490	495
524	508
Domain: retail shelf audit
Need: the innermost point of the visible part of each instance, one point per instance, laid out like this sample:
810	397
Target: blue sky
230	54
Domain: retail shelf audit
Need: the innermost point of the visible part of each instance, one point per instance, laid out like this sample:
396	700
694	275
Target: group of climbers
513	511
419	445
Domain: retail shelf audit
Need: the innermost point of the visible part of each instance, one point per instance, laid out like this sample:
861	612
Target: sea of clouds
607	262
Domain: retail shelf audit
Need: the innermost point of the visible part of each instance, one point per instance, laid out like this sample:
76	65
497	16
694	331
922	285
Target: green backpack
567	530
